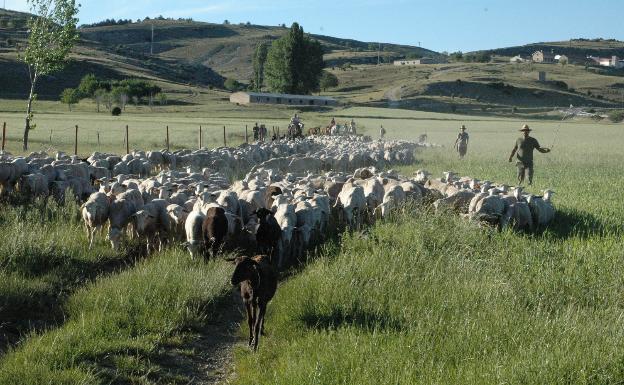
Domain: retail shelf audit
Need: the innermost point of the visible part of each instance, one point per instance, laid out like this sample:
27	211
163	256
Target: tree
98	97
52	36
328	80
231	84
120	94
70	96
88	85
294	63
162	98
259	61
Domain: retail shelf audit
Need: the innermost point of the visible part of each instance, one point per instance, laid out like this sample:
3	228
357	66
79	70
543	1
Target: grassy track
115	325
43	259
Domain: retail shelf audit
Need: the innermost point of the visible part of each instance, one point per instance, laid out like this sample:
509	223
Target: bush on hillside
232	84
616	116
116	111
328	80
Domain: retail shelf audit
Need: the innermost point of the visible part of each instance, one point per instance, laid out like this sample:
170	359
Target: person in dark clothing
461	143
256	132
523	150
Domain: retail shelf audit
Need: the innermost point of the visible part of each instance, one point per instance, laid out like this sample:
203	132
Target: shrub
328	80
231	84
616	116
116	111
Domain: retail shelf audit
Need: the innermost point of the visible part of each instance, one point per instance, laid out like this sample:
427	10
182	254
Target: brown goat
258	283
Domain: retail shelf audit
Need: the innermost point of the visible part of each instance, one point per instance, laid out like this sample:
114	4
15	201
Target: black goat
258	283
269	231
215	228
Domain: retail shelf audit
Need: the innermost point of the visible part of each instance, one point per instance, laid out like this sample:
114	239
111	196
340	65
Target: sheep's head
114	236
548	194
246	269
141	220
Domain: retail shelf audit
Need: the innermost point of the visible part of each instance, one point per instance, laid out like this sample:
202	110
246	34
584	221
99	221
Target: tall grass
114	325
44	257
431	299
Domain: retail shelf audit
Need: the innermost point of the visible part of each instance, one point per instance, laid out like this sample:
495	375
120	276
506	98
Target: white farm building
245	98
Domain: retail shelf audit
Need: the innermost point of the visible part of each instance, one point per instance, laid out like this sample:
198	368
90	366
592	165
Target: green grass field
432	300
417	299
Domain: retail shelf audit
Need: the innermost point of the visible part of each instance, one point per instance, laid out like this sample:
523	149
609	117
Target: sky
440	25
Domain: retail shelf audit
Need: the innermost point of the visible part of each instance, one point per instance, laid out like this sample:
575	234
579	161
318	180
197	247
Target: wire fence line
81	139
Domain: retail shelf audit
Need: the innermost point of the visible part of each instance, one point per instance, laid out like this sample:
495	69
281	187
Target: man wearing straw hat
461	143
524	154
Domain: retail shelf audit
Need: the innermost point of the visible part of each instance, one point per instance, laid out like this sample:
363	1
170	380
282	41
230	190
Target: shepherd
523	150
256	132
461	143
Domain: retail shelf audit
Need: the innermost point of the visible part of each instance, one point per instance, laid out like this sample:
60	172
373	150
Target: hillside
188	53
576	49
185	52
481	88
225	48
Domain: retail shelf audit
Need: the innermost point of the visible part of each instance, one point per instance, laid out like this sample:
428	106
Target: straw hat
526	128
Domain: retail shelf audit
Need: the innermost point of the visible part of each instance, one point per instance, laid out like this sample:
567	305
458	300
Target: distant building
613	61
286	99
517	59
543	57
415	62
561	58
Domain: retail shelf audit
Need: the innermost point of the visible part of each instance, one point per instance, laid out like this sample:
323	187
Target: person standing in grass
461	143
382	132
256	132
523	150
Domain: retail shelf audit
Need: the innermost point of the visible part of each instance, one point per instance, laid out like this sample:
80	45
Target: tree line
110	92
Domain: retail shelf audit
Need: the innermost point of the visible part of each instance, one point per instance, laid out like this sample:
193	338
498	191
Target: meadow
419	298
429	299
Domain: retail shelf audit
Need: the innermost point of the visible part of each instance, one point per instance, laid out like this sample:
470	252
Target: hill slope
184	52
576	49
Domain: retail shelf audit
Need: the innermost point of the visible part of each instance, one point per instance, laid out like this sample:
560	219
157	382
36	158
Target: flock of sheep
290	193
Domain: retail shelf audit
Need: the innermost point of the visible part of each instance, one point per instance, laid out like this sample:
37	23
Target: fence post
246	135
98	136
224	140
200	137
76	141
50	136
167	138
127	143
3	135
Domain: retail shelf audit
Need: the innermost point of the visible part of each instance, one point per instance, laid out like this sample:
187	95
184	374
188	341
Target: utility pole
152	43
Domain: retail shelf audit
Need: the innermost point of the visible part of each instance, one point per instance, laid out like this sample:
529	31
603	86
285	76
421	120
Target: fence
83	140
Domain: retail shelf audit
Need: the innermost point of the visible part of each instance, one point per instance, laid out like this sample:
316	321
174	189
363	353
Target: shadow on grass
574	223
41	306
358	318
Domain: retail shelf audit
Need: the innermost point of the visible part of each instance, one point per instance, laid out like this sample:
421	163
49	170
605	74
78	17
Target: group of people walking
522	150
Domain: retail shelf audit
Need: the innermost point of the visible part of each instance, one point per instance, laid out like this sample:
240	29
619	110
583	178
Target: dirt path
206	357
